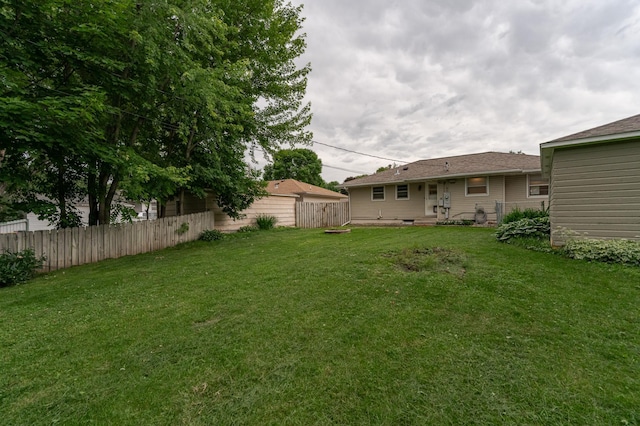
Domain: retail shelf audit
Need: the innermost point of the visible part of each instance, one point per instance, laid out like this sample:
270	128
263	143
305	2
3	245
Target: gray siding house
449	188
595	182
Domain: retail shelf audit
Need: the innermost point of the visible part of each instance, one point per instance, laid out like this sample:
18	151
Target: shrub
460	222
516	214
524	228
266	221
183	229
248	228
211	235
610	251
18	267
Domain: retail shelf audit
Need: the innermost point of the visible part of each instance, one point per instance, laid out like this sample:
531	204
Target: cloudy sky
417	79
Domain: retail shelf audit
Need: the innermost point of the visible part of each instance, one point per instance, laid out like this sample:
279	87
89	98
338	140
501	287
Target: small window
433	192
538	186
477	186
402	192
377	193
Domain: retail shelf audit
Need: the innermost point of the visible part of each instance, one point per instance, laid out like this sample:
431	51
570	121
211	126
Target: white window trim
408	192
528	189
384	191
466	187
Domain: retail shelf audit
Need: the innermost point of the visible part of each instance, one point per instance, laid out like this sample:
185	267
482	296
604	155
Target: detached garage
594	187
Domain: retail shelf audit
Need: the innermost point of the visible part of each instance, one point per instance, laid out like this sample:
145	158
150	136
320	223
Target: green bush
610	251
524	228
211	235
266	222
458	222
516	214
18	267
248	228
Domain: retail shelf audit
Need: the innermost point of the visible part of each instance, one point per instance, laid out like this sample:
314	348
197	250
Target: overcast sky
418	79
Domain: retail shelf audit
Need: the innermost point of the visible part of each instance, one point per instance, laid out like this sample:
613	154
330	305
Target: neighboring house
450	188
307	193
33	223
283	194
595	182
282	206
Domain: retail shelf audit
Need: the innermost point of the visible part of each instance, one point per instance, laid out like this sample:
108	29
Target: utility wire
326	165
361	153
344	170
171	126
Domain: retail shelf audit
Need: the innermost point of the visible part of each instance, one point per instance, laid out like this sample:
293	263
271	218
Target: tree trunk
92	188
2	184
62	202
180	203
106	201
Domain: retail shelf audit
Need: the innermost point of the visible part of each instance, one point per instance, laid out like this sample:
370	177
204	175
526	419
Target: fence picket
321	215
78	246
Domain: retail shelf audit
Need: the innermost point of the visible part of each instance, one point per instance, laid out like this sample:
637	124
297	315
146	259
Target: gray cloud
413	79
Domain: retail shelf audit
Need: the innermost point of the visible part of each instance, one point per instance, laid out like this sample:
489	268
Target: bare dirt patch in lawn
429	259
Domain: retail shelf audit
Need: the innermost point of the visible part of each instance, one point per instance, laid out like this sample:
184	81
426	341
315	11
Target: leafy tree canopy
150	98
301	164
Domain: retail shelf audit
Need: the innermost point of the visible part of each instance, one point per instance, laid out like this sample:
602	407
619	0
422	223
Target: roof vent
397	172
405	168
277	185
446	166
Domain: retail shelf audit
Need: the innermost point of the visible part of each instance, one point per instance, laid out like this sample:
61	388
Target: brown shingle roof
625	129
295	187
485	163
626	125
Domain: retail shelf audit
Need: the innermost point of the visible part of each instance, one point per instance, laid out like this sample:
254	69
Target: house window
402	192
478	186
538	186
377	193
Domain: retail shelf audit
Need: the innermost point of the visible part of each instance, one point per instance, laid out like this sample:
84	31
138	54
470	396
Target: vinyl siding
363	208
462	206
595	191
283	208
516	194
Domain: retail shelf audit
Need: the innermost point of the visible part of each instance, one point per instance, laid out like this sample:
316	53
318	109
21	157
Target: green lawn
295	327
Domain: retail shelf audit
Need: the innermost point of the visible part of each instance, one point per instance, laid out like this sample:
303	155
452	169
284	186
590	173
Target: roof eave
548	148
447	176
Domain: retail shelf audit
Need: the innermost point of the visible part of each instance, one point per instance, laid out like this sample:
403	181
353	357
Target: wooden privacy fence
76	246
321	215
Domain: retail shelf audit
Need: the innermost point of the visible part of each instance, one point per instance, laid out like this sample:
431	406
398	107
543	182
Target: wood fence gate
321	215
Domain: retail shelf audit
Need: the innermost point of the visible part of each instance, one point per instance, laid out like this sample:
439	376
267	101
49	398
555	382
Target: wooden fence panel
70	247
321	215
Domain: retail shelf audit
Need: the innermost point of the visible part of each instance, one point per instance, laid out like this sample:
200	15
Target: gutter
452	176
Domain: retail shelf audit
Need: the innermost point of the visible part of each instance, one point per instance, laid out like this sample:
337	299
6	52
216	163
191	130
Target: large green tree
152	98
301	164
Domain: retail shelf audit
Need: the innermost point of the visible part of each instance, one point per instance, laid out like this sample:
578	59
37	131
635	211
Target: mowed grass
382	326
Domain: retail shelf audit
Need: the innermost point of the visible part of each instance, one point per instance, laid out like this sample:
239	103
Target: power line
326	165
344	170
361	153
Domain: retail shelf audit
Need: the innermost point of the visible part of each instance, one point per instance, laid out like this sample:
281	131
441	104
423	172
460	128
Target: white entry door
431	199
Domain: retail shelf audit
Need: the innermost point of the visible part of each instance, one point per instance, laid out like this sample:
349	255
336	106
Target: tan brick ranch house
595	182
449	188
